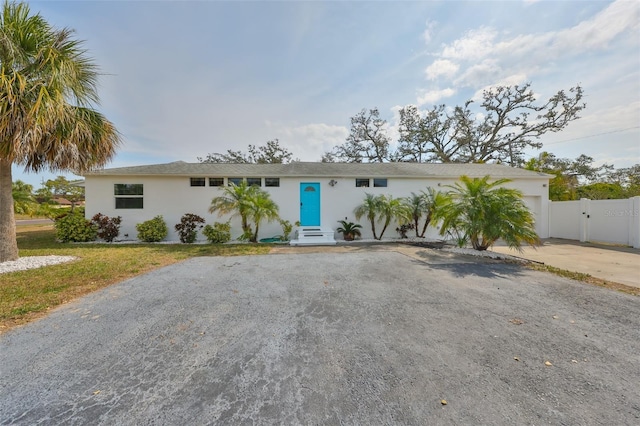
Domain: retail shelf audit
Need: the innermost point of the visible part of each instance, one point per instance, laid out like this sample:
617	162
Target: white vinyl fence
608	221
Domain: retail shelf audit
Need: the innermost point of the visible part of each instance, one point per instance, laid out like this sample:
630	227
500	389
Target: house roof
333	170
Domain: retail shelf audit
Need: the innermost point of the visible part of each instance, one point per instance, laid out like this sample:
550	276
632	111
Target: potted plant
349	230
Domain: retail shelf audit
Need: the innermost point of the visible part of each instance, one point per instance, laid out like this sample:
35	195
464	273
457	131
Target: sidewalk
608	262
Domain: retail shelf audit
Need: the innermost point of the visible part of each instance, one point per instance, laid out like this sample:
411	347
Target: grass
27	295
586	278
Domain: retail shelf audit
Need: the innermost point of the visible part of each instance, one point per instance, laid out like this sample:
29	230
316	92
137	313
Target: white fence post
584	219
634	222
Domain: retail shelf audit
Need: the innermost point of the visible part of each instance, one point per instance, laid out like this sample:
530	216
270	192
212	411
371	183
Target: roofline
531	174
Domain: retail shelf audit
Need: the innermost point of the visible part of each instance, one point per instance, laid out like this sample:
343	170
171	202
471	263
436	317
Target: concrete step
313	236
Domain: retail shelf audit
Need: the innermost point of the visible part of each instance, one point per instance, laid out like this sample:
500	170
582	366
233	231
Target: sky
182	79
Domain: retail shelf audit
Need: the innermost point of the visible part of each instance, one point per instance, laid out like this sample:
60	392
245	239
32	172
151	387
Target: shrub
219	233
108	228
404	228
153	230
247	235
188	227
73	227
287	227
350	231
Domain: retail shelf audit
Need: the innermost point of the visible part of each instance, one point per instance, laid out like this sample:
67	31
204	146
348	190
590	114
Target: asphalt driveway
364	337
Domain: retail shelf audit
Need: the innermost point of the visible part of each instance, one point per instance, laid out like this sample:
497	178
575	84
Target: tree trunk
254	239
8	242
427	221
373	228
386	223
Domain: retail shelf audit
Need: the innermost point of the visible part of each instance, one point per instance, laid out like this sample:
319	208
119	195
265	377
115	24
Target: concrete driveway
360	337
607	262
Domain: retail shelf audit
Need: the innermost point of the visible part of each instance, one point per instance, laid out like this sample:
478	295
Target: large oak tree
508	120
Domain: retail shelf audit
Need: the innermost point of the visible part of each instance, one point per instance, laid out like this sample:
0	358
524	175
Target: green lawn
26	295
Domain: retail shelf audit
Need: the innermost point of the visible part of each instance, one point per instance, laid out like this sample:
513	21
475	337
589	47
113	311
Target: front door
310	204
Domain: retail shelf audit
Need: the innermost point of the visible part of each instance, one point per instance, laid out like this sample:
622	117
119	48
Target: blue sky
183	79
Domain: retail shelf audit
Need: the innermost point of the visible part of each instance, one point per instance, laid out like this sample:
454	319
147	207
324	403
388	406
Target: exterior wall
172	197
608	221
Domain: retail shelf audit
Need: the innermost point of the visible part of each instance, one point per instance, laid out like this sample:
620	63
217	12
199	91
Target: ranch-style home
316	194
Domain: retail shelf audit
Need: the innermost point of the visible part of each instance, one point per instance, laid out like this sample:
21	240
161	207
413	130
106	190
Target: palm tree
417	206
433	199
47	88
485	212
235	200
392	208
422	205
370	208
260	207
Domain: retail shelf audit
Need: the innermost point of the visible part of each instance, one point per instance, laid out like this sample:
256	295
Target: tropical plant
73	227
485	211
287	227
188	227
235	201
370	208
349	230
404	228
422	205
108	227
392	209
261	207
48	85
219	233
152	231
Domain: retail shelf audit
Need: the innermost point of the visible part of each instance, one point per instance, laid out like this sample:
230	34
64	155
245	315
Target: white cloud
441	67
480	74
426	35
485	56
433	96
598	32
474	45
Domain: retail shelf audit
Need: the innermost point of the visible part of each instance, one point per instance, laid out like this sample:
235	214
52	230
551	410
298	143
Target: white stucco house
316	194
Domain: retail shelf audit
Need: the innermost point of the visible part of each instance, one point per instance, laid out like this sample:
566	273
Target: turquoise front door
310	204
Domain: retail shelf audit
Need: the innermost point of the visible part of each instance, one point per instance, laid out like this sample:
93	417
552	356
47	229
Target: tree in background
426	138
271	153
367	141
485	211
23	201
47	88
580	178
508	121
61	187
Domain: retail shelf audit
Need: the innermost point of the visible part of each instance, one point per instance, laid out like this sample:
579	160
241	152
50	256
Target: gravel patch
33	262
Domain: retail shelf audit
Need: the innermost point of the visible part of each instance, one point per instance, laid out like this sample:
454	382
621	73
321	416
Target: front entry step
313	236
